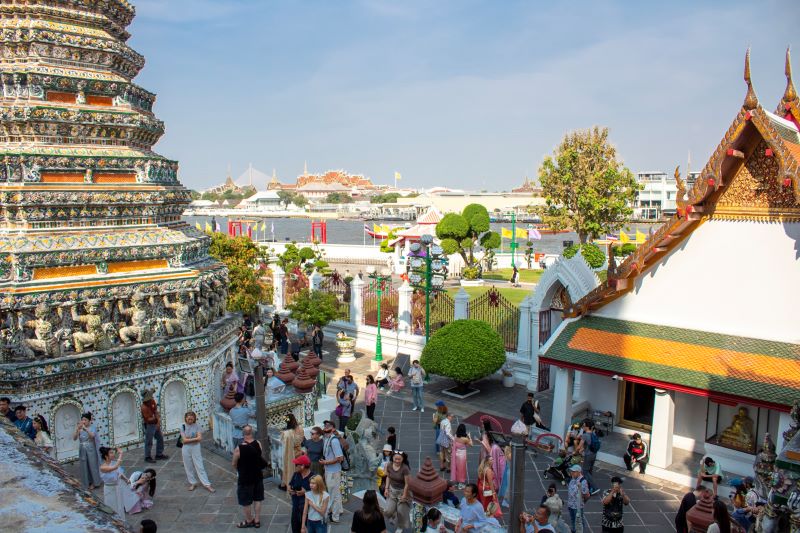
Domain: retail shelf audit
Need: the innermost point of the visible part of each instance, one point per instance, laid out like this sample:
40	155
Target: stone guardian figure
139	330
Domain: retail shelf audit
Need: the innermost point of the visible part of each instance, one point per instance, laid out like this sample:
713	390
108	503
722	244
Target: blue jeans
316	526
318	350
436	439
416	393
150	431
588	468
573	523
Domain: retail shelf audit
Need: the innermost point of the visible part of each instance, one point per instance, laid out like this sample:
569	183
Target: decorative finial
750	100
680	197
790	94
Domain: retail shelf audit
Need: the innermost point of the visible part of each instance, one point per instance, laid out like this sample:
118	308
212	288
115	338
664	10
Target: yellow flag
506	233
623	237
640	237
197	225
208	228
263	226
376	228
522	233
397	176
385	229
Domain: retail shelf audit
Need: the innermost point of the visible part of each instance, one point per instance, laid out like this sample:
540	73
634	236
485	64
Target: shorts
247	493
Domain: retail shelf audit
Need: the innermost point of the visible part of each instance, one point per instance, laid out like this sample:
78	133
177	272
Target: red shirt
150	412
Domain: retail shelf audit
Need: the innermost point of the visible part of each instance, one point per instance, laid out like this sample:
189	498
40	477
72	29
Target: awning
726	368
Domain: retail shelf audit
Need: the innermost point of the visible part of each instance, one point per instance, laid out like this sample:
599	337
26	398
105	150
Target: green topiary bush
465	351
622	250
592	253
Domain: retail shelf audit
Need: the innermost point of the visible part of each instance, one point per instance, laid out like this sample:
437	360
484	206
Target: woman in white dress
42	439
113	477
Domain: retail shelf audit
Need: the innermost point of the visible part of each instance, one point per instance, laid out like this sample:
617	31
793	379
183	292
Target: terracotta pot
312	357
303	383
285	374
290	363
309	368
228	401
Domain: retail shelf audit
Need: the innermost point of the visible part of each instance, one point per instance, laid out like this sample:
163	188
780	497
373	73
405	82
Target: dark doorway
636	405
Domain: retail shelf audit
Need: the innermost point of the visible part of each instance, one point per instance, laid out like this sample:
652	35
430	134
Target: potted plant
347	348
508	375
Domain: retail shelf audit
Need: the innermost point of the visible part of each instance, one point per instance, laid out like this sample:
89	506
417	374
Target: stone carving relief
124	418
65	419
174	405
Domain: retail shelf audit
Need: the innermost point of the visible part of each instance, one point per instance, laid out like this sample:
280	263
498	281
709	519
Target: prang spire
750	99
790	95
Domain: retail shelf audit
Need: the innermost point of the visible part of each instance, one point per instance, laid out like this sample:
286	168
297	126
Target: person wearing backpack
588	447
577	494
332	459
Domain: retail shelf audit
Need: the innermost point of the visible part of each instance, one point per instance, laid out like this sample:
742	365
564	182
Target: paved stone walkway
653	506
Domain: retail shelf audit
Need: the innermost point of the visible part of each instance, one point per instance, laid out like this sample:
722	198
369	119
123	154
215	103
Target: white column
576	387
314	280
404	294
562	401
278	277
784	423
524	334
663	429
356	300
461	311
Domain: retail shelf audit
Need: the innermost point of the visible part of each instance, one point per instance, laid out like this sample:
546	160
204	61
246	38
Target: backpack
594	443
585	495
345	453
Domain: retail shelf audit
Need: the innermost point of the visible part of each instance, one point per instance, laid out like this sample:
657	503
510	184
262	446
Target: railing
390	302
494	309
443	309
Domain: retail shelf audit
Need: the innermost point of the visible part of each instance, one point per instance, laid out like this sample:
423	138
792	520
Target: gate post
524	331
314	280
404	294
278	277
461	305
356	300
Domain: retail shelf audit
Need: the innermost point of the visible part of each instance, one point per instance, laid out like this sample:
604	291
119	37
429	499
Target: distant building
262	201
316	187
656	198
528	187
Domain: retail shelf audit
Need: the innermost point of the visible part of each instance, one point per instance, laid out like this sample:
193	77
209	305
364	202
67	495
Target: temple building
316	187
693	339
104	291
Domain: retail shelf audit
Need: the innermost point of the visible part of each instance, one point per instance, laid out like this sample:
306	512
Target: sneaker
422	410
414	409
162	456
149	460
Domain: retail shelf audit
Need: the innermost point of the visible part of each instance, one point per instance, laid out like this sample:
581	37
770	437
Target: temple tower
94	256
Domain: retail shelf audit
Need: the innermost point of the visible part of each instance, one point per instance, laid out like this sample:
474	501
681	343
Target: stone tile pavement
652	509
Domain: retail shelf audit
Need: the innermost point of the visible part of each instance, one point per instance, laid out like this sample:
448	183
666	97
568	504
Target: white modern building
656	199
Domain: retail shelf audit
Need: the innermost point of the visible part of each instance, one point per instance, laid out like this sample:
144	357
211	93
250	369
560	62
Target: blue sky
469	94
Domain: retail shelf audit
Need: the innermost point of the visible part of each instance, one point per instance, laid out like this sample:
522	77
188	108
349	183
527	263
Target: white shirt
447	428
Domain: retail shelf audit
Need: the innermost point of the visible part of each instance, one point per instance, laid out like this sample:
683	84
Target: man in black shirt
248	462
317	336
298	486
528	413
689	500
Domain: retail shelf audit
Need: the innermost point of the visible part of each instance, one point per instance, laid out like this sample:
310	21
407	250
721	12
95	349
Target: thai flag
366	228
611	237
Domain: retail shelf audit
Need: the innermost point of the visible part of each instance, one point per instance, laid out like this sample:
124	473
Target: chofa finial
790	94
750	100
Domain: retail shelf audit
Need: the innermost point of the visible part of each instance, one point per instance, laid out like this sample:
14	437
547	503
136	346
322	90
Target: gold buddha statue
740	434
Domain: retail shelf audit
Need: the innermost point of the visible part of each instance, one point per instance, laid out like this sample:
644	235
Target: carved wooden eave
752	128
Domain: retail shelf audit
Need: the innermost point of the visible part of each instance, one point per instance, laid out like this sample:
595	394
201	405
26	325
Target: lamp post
513	237
427	266
378	285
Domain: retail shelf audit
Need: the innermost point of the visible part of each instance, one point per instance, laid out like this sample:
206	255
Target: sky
463	94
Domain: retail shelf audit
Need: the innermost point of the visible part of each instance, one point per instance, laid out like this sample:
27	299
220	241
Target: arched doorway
550	316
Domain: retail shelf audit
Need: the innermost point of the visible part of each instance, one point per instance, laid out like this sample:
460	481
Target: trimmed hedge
465	351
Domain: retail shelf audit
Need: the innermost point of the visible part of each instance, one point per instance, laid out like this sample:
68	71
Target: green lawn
515	296
525	276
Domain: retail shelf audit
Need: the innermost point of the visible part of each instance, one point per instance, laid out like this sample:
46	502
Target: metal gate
495	309
443	311
544	334
390	303
336	285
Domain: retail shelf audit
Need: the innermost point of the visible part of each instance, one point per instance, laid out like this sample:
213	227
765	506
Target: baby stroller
559	470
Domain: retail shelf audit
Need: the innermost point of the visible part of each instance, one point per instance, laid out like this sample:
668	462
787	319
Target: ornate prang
750	99
790	94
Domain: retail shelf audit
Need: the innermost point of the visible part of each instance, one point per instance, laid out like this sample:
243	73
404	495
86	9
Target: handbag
338	411
179	444
486	492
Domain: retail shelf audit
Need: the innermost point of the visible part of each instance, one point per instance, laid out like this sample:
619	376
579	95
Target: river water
352	232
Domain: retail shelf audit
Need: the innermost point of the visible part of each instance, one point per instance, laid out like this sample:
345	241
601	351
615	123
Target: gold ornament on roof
750	100
790	95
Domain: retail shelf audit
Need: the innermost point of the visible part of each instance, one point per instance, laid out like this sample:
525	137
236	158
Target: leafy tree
315	307
585	187
305	258
592	253
289	197
194	194
464	350
338	198
241	256
209	196
462	233
621	250
388	198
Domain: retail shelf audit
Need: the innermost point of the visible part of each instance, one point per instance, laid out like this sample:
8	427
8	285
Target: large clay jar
309	367
290	363
701	515
228	401
303	383
284	374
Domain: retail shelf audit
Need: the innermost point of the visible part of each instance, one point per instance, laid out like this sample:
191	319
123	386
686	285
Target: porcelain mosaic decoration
103	289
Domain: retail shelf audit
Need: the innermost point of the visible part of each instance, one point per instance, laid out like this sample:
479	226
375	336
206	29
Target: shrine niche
739	427
124	419
65	418
173	405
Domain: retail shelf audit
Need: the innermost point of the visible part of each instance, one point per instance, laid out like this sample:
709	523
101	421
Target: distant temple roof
40	495
332	180
527	186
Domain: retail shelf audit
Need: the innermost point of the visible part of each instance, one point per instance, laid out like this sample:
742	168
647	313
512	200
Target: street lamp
379	284
427	270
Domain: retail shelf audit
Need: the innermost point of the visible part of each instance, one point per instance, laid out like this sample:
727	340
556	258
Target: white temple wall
115	402
735	278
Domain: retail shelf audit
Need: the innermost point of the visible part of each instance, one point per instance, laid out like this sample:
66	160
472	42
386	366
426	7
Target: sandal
209	488
257	524
244	524
192	487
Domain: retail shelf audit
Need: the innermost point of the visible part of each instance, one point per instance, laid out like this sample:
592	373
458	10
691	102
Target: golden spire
680	185
790	94
750	100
